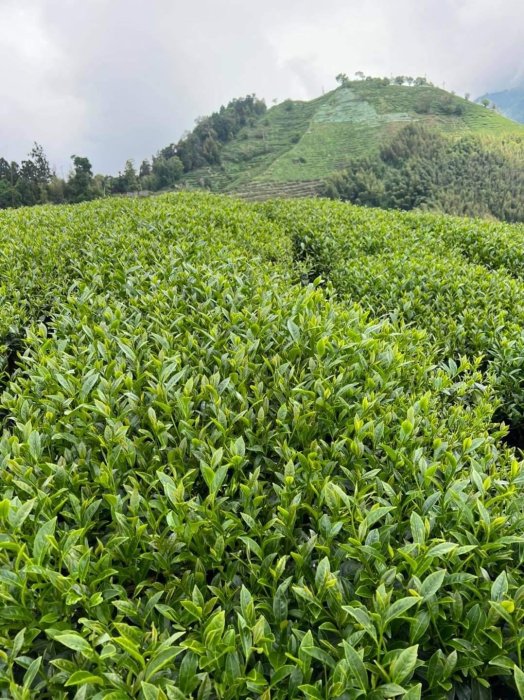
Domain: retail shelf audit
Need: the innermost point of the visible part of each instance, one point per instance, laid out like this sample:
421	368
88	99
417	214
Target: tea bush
460	280
218	483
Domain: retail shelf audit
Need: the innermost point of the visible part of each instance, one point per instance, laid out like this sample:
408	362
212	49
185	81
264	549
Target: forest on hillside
33	180
421	168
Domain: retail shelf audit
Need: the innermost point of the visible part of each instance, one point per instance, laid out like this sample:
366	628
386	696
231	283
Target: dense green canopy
253	451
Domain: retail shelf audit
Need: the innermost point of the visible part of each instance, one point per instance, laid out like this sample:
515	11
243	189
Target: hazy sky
113	79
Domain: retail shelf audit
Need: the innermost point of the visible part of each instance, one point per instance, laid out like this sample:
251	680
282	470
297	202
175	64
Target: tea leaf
84	678
518	675
404	665
74	641
432	583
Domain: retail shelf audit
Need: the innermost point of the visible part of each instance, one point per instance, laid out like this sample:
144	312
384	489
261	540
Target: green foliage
445	103
218	482
80	186
166	171
459	280
127	181
27	183
302	143
202	146
420	168
34	182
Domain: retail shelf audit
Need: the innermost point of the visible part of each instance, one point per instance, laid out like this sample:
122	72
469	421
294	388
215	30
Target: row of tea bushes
458	280
218	483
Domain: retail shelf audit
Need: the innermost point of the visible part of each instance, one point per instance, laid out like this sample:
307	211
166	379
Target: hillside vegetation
304	142
465	175
256	451
34	181
470	160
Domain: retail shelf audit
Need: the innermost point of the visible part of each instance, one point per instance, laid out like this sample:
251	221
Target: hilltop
509	102
294	146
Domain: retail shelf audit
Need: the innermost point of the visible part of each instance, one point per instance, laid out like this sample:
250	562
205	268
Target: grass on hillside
305	141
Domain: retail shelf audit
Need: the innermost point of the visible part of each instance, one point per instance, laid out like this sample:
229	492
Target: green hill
294	146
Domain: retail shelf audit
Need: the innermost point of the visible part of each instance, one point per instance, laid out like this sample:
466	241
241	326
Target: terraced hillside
256	451
296	142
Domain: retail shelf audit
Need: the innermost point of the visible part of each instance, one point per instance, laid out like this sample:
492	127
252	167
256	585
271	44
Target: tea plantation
260	451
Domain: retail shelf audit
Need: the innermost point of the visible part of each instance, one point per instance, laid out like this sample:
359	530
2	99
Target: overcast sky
118	79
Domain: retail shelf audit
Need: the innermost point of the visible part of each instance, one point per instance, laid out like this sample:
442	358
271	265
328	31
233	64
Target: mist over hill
509	102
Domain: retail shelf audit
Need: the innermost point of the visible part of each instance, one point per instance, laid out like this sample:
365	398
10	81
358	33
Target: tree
42	169
145	169
5	169
79	186
131	183
123	182
31	182
342	79
56	190
166	171
423	104
485	102
360	75
25	183
12	175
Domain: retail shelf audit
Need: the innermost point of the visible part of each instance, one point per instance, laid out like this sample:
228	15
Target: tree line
344	80
422	168
33	180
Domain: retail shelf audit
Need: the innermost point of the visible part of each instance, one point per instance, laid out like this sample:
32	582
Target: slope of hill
219	479
304	142
508	102
419	168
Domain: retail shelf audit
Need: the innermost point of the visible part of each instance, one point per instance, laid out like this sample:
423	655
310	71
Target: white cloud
118	78
35	98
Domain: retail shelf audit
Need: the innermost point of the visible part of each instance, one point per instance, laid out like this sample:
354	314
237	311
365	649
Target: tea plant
457	279
219	483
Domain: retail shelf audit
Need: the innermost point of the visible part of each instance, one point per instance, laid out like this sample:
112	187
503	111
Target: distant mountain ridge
509	102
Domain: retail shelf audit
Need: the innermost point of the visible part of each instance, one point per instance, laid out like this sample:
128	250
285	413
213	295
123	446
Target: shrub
218	483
